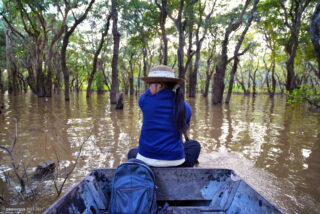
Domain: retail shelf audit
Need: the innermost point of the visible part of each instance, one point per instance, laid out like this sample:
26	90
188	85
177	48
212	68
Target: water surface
275	147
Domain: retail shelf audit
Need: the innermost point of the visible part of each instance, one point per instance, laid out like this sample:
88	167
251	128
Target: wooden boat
186	190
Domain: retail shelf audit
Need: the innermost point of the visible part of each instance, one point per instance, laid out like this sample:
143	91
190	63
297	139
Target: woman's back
159	137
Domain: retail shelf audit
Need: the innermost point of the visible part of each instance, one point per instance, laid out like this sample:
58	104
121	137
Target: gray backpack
133	189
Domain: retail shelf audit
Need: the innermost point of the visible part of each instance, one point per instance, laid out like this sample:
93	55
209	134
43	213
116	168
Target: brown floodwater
273	146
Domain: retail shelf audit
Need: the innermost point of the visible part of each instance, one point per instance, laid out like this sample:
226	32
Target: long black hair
179	108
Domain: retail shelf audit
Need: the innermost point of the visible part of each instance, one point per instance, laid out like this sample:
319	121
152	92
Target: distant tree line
269	46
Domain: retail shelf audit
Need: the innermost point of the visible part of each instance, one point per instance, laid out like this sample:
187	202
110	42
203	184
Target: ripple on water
273	146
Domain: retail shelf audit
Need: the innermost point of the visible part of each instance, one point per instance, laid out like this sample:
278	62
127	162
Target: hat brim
161	79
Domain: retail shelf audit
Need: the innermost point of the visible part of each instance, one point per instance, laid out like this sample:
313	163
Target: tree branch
13	164
22	12
169	14
317	73
78	21
207	22
15	135
241	53
41	19
12	28
190	4
285	14
74	165
312	103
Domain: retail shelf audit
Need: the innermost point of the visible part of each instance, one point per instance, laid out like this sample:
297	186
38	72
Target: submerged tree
202	25
236	51
139	22
180	22
39	32
11	63
116	45
292	14
162	21
218	81
67	33
96	55
210	64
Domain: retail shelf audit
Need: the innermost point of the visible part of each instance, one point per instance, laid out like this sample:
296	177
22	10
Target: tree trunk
193	81
315	35
64	67
189	66
96	55
1	85
180	53
273	80
116	43
77	83
291	77
249	82
38	61
144	51
160	58
139	81
11	64
23	83
268	84
254	92
57	66
193	88
209	70
66	37
281	85
209	73
131	83
193	72
253	78
162	21
218	79
49	84
31	78
206	87
242	85
218	82
232	74
106	81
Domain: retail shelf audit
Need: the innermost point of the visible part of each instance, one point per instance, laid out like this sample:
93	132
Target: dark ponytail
179	109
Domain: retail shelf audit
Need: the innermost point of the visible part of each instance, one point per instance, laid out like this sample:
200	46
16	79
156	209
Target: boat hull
185	190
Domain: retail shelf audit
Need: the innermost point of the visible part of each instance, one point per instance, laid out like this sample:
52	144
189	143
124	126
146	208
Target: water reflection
273	146
311	170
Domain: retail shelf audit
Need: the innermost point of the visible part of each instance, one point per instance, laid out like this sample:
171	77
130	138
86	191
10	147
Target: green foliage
99	81
295	97
303	94
139	19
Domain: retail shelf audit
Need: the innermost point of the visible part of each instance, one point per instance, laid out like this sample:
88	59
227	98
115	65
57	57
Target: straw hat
161	73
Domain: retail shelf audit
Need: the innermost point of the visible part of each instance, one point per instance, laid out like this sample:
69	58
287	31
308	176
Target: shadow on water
273	146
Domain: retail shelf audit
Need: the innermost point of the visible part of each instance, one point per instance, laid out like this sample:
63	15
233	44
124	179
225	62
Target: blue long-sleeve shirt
159	138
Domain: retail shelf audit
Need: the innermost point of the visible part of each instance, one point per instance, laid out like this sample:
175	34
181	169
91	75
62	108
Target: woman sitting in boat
166	117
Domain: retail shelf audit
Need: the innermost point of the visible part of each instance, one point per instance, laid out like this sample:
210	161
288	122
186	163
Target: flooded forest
70	84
